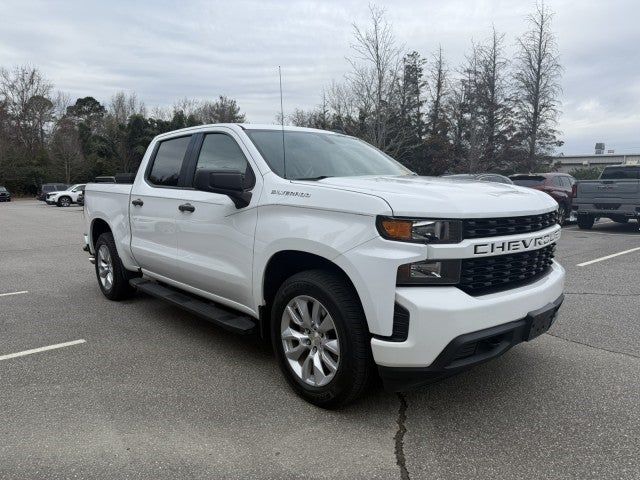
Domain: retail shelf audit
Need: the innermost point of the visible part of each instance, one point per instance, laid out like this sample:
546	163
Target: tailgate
608	189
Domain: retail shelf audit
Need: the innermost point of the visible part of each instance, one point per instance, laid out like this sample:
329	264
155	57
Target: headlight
420	230
444	272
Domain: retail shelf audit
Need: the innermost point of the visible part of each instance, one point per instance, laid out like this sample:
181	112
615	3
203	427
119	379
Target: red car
558	185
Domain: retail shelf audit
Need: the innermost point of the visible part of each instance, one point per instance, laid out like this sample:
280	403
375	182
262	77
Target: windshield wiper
321	177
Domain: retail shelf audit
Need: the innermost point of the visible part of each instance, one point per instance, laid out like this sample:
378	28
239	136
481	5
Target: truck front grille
493	227
489	274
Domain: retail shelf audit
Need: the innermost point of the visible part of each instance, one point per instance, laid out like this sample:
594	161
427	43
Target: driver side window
221	152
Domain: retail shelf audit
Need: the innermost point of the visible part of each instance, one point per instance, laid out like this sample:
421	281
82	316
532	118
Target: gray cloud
166	50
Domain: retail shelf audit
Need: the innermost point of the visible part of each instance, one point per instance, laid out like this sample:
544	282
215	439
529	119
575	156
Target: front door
215	239
153	207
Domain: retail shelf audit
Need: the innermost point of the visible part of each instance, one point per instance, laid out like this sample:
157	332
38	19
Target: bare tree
25	93
375	70
123	106
493	101
537	86
438	92
66	150
188	106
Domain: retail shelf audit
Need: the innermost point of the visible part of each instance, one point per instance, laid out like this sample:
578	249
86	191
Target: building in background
599	159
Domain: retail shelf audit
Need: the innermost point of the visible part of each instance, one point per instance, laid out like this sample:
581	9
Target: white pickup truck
339	254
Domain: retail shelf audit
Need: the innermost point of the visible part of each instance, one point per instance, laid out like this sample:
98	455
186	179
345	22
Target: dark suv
558	185
5	196
48	188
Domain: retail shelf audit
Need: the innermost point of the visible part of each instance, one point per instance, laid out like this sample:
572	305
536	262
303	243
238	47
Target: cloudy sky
166	50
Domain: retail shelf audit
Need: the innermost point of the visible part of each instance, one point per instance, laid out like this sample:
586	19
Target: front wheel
320	338
562	215
113	278
64	201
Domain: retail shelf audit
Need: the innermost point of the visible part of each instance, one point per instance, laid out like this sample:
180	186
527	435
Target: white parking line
584	264
41	349
591	232
13	293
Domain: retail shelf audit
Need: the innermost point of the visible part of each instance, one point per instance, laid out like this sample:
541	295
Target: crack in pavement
399	437
593	346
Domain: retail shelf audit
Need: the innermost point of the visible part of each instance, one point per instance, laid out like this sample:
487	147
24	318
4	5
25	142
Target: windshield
620	173
3	189
311	155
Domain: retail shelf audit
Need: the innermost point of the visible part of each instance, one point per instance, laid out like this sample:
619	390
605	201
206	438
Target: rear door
215	239
153	207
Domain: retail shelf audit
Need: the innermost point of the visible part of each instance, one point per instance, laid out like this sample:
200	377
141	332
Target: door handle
137	202
187	207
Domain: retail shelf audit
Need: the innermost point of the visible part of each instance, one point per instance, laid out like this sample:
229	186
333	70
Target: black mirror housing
230	183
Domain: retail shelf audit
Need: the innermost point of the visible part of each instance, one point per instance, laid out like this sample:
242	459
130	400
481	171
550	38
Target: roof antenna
284	152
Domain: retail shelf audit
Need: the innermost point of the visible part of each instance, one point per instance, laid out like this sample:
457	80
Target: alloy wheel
310	340
105	267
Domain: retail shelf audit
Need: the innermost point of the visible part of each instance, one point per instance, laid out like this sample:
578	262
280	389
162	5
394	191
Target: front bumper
438	315
471	349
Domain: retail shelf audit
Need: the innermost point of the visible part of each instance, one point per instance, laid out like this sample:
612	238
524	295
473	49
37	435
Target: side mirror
224	182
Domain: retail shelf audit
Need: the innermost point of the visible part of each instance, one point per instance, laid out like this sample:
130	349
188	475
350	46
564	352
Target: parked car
340	255
558	185
80	200
66	197
5	196
615	195
482	177
48	188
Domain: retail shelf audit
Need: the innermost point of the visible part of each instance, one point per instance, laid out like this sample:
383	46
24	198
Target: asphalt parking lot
156	393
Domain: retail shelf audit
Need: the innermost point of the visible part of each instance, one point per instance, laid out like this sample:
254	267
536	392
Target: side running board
207	310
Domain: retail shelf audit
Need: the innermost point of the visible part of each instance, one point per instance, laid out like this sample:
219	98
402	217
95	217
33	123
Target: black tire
120	288
585	222
64	201
355	367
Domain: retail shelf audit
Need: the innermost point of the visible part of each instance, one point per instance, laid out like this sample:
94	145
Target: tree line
492	113
45	137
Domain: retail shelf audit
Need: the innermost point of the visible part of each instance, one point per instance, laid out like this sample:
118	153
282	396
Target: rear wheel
64	201
585	222
320	337
113	278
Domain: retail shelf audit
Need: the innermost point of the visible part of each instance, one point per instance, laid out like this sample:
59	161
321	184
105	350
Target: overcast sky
166	50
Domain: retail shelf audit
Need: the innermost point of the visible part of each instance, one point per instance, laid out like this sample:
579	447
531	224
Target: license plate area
539	321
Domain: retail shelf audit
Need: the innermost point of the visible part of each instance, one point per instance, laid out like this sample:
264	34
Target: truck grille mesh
485	275
493	227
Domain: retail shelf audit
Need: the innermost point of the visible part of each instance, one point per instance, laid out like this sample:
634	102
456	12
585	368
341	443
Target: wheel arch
98	227
285	263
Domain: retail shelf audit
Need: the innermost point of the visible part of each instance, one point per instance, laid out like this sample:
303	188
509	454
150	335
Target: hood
442	197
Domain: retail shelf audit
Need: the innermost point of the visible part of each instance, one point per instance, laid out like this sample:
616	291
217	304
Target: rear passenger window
167	163
221	152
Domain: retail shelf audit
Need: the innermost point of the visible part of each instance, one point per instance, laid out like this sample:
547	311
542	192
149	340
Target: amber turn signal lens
397	229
